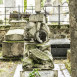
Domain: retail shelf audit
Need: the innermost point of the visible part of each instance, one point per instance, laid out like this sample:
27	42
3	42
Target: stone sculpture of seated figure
37	53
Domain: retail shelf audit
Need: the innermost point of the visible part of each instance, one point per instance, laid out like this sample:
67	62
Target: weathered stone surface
29	30
39	32
18	23
37	5
36	17
39	54
27	63
11	49
3	31
15	34
43	73
41	36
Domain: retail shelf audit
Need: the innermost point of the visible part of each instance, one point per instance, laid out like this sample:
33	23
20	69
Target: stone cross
38	6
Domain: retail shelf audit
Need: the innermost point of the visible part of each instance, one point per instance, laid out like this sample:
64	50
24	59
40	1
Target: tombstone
13	45
37	49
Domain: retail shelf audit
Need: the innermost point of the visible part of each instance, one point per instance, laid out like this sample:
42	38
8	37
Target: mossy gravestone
37	49
14	43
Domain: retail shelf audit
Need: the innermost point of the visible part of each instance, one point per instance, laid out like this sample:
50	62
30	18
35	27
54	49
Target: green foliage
34	73
25	5
42	2
67	1
1	1
68	65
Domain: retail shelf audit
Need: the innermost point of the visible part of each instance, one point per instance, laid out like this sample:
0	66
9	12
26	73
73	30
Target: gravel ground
7	68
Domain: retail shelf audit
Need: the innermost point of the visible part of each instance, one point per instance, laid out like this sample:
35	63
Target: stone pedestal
13	45
44	73
12	48
37	56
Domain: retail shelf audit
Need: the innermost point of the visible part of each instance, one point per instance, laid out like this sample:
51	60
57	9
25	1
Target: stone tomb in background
13	45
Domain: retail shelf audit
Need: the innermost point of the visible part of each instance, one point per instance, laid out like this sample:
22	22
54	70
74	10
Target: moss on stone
13	41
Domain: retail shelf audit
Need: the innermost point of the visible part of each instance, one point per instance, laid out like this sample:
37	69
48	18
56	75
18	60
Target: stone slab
59	41
47	73
12	49
36	17
64	70
15	34
59	67
18	23
59	47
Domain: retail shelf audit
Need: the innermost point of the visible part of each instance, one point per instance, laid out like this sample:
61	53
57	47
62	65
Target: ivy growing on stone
34	73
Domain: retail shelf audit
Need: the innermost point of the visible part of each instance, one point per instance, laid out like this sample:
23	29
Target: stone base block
12	48
37	17
43	73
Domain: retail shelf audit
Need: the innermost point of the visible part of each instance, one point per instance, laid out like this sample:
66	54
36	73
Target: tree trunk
73	23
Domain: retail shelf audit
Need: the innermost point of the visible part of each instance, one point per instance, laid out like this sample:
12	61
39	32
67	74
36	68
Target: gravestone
37	48
13	45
